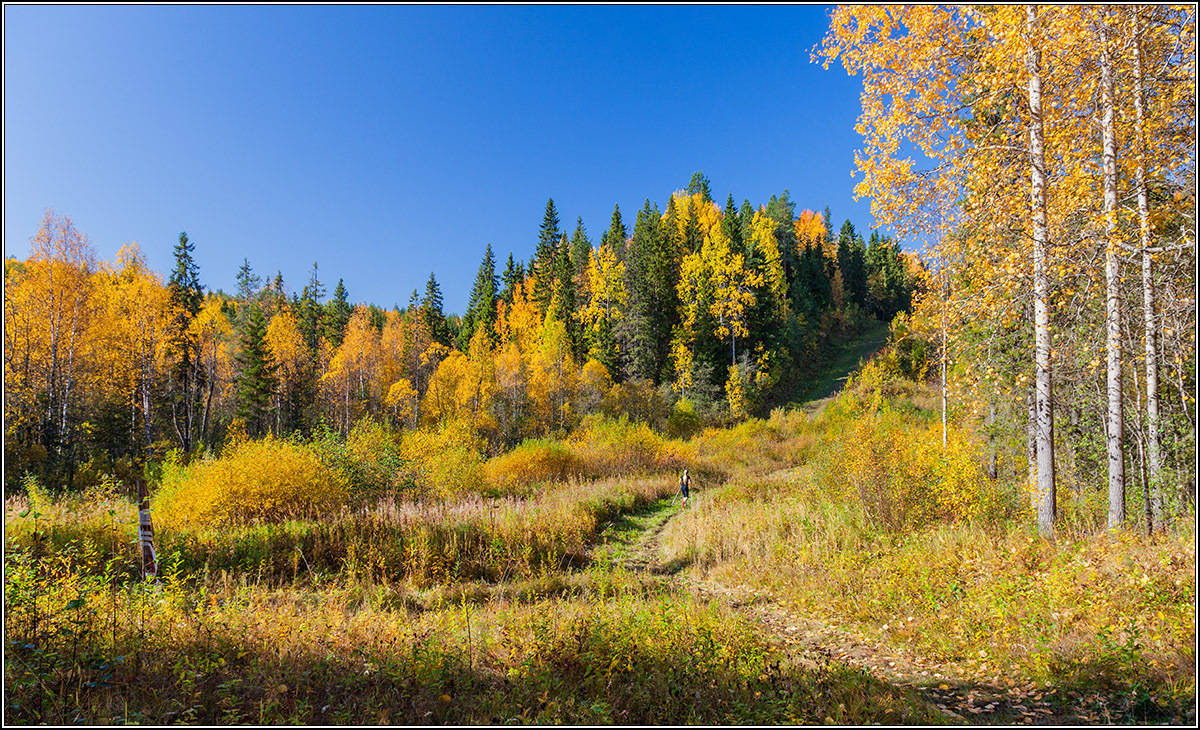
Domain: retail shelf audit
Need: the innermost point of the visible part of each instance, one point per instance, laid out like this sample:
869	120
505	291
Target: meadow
401	577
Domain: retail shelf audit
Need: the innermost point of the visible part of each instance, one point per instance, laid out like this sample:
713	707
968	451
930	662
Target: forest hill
702	313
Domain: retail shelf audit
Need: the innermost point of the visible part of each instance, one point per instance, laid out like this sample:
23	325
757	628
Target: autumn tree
48	310
603	305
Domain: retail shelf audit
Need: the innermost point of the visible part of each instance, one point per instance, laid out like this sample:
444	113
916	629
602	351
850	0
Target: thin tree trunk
1031	449
212	383
1143	202
1115	439
943	364
1041	285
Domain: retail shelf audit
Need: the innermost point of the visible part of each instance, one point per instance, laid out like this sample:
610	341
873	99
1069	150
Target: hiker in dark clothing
684	484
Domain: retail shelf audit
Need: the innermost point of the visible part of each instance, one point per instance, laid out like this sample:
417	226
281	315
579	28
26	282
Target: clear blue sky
388	142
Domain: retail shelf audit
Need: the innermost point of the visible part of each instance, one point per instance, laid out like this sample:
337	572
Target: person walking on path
685	484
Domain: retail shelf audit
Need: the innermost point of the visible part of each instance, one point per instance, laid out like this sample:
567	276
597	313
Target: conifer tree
337	315
782	210
699	184
184	283
481	306
431	311
746	218
616	234
563	299
186	296
248	282
581	247
852	264
650	286
674	239
543	264
255	379
310	313
888	282
514	273
731	226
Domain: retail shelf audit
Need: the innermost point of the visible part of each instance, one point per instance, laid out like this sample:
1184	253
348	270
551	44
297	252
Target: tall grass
422	541
882	530
100	655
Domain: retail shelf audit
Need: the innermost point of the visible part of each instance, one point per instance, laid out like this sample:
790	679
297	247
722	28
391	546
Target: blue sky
385	142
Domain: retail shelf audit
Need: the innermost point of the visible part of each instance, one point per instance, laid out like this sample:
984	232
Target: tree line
696	313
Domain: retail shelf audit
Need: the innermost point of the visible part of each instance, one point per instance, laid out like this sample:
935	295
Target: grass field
780	595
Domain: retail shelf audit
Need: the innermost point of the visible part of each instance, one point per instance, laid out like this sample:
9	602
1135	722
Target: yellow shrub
265	480
904	477
533	461
444	461
610	447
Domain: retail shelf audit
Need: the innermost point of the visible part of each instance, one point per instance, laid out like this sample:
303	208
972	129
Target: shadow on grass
581	674
1080	700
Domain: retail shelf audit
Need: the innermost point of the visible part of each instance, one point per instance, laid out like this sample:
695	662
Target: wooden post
146	533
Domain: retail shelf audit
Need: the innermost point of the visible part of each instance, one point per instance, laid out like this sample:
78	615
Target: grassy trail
852	355
632	543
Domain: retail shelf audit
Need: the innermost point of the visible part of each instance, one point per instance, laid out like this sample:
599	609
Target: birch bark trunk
1044	427
1143	202
1115	438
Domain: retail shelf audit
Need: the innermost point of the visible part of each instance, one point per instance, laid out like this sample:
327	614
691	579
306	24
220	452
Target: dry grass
89	652
1114	611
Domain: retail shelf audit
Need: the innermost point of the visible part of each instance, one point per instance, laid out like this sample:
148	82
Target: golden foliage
254	481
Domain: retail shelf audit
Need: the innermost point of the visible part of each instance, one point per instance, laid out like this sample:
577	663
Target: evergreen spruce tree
616	234
184	282
481	307
674	239
185	374
249	290
731	226
514	273
309	312
646	331
255	379
337	315
431	311
276	297
889	286
852	263
699	184
563	301
581	248
746	218
248	282
543	263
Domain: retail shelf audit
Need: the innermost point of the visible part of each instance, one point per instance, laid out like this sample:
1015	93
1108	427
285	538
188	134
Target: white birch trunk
1115	437
1044	427
1151	319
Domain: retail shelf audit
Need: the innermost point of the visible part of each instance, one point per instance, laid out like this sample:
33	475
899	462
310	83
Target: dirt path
635	544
